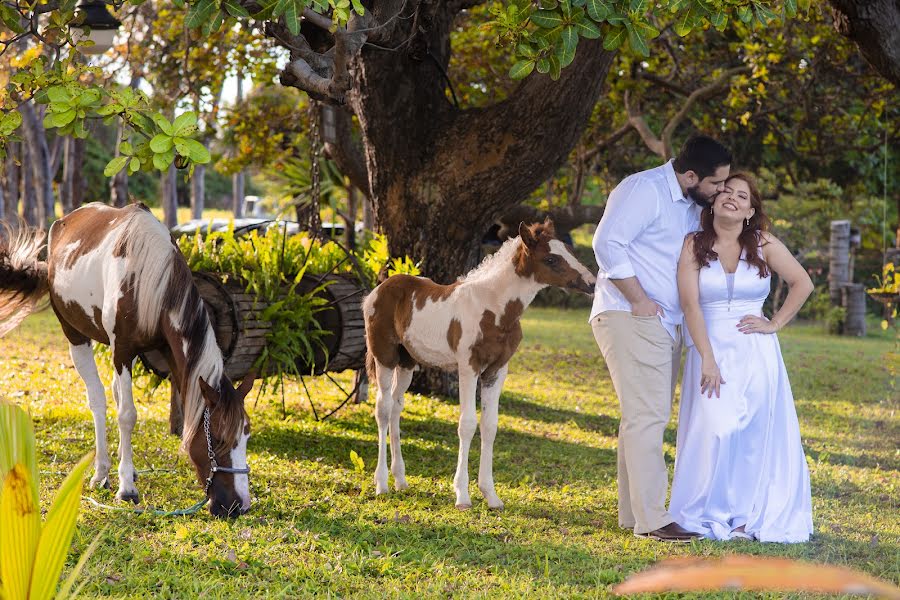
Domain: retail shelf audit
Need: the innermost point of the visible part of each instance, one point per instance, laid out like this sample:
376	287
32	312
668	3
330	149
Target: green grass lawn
316	526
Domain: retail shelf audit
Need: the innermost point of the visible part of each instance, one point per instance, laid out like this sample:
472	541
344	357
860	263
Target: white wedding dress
739	459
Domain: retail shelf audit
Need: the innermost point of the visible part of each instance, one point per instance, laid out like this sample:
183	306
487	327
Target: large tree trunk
440	173
874	25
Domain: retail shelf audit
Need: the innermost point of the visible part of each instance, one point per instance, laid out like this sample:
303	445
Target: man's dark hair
702	155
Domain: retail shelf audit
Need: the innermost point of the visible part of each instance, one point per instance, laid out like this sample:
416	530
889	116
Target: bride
740	470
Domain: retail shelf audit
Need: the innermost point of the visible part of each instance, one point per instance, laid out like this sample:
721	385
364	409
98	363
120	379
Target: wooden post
853	299
839	263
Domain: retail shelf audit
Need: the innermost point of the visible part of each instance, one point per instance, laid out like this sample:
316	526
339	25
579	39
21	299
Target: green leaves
9	122
566	49
615	38
115	165
598	10
547	19
522	69
169	140
201	13
68	106
552	28
11	18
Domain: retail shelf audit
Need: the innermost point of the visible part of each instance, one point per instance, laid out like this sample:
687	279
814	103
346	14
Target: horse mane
492	264
163	287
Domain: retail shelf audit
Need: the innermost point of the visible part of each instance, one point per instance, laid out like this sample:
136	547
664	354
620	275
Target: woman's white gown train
739	457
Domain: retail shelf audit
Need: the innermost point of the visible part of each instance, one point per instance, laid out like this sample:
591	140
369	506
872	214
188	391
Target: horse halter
213	465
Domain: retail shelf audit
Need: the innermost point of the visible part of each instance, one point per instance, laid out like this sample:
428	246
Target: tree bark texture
38	164
198	190
874	25
12	179
169	191
237	194
72	189
29	191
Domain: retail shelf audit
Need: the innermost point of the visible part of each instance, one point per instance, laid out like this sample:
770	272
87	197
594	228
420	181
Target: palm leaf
56	535
21	531
17	442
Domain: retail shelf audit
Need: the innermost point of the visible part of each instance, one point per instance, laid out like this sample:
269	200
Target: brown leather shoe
673	532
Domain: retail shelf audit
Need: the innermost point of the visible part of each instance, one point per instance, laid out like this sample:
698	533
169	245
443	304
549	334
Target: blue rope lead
159	513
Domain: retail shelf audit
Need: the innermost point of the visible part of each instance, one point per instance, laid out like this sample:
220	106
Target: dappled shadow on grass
430	447
816	449
520	405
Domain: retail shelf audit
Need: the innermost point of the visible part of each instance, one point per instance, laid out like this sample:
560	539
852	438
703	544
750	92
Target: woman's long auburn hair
749	239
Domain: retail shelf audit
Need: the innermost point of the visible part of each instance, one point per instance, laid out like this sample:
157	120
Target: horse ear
549	227
527	237
247	383
210	394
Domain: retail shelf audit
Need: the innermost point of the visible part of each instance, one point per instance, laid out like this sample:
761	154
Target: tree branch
636	119
875	28
696	95
325	76
608	141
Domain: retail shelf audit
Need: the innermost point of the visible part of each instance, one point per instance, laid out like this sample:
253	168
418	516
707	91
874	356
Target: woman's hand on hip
756	324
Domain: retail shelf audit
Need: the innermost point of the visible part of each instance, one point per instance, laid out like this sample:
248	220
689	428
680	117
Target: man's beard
697	196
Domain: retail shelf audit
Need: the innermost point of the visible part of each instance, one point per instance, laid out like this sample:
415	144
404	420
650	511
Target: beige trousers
643	361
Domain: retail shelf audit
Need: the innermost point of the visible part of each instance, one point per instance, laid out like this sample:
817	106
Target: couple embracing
686	259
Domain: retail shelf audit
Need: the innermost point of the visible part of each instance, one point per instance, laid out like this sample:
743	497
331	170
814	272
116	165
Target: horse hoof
128	497
400	486
496	506
100	483
463	507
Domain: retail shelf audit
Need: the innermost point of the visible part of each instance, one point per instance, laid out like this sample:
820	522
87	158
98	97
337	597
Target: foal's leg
490	403
122	393
402	378
383	412
83	358
467	424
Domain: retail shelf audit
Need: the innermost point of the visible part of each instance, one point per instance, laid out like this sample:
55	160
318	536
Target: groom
636	317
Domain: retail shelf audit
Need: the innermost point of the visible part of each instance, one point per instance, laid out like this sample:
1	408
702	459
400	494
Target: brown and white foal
472	327
115	277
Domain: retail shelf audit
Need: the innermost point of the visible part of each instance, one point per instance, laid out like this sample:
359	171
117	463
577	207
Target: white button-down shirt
640	235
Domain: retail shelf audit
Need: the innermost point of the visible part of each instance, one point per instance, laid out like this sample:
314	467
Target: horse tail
23	277
368	307
370	368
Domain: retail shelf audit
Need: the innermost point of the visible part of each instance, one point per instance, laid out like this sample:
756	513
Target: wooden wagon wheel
241	334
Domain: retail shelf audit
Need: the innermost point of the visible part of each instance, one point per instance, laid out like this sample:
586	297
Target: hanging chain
315	142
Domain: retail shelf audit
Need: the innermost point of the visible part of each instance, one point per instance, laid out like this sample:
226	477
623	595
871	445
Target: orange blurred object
755	573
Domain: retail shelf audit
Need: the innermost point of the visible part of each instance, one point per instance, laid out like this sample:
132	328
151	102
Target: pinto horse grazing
472	327
115	277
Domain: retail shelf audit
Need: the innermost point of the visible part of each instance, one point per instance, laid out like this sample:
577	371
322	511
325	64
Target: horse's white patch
557	247
238	461
94	280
